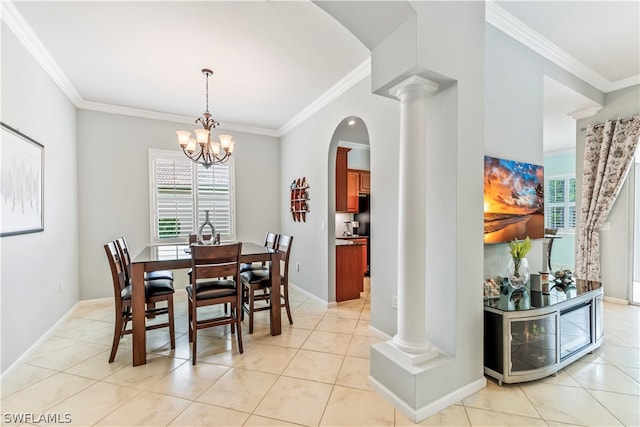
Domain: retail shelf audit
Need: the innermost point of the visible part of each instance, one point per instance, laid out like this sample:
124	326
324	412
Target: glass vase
206	223
518	272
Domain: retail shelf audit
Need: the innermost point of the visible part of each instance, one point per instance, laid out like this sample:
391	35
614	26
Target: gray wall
113	185
34	265
513	121
616	244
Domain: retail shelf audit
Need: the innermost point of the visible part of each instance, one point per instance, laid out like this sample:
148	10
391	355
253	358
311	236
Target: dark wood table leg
137	306
276	323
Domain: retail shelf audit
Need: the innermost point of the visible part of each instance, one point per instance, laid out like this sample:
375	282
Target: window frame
156	154
566	204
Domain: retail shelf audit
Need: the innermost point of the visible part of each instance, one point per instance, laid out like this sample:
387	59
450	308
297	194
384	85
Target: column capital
413	82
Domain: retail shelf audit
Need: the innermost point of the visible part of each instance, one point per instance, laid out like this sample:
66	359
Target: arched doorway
352	223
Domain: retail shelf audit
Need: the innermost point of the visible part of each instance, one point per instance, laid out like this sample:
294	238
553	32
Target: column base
411	354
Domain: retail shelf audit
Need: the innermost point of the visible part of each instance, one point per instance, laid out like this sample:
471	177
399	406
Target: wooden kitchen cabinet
341	179
349	278
353	181
364	184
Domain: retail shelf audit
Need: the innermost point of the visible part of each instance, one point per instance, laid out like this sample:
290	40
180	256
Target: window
182	190
560	203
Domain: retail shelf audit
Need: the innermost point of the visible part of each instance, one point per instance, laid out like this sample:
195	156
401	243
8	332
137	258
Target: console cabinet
528	344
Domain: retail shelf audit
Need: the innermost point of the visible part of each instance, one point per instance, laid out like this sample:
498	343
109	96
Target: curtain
608	155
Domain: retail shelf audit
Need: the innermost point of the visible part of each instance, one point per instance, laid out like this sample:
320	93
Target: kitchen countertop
346	242
355	236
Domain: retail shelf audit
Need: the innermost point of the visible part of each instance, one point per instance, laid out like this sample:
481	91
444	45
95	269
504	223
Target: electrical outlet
394	301
297	266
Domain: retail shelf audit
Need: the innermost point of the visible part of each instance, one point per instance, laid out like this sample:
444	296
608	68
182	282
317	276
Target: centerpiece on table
518	267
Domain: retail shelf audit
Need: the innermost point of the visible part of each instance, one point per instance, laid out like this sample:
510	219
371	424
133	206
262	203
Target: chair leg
117	334
251	302
190	320
194	322
286	304
239	325
172	329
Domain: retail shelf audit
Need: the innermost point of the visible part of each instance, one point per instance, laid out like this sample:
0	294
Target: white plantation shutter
560	203
178	209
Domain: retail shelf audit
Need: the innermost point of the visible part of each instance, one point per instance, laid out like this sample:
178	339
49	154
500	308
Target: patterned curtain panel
608	155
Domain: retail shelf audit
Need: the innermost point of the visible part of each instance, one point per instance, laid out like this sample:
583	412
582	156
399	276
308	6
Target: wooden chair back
118	269
270	240
193	238
284	249
125	256
213	261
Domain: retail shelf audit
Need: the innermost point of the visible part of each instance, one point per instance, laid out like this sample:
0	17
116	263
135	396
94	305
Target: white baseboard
420	414
616	300
378	333
27	354
312	296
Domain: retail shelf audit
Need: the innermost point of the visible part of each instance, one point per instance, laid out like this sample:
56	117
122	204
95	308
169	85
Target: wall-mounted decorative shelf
300	199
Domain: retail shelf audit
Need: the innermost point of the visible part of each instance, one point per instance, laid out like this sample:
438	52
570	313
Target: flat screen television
513	200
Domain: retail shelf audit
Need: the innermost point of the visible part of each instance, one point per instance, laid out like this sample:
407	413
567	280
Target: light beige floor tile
337	324
239	389
141	377
361	346
45	393
94	403
146	409
183	346
355	373
481	417
72	323
624	407
306	321
98	366
266	358
452	416
362	328
65	357
306	408
621	356
342	312
24	376
188	381
223	352
327	342
567	405
290	337
366	313
54	343
509	399
597	376
87	331
316	366
561	378
632	372
311	308
351	407
258	421
201	414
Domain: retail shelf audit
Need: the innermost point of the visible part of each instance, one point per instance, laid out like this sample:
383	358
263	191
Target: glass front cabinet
525	345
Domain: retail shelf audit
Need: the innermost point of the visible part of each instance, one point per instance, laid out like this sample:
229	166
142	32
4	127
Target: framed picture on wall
21	184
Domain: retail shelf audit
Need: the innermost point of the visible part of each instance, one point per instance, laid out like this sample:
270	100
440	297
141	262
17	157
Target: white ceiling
274	60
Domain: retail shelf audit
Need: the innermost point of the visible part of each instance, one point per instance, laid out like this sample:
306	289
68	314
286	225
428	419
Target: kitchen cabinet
349	277
341	179
362	241
353	179
364	184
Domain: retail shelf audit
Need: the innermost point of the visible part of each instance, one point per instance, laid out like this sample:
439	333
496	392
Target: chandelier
202	149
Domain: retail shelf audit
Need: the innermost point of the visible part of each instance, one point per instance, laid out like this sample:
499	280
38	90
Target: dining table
178	256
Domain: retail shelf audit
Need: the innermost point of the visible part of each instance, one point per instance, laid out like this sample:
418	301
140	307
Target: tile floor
315	373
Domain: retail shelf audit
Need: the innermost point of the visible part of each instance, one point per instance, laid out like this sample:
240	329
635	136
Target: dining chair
260	280
270	241
215	279
125	256
156	290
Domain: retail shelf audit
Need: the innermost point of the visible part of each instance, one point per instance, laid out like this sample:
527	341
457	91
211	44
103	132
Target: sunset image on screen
513	200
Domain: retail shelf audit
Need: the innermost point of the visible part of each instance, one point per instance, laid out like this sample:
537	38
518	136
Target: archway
352	133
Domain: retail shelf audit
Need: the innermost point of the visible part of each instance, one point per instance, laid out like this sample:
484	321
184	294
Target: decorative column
411	338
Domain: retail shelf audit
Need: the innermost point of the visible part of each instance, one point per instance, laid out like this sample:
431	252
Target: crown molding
585	113
23	32
347	82
516	29
154	115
